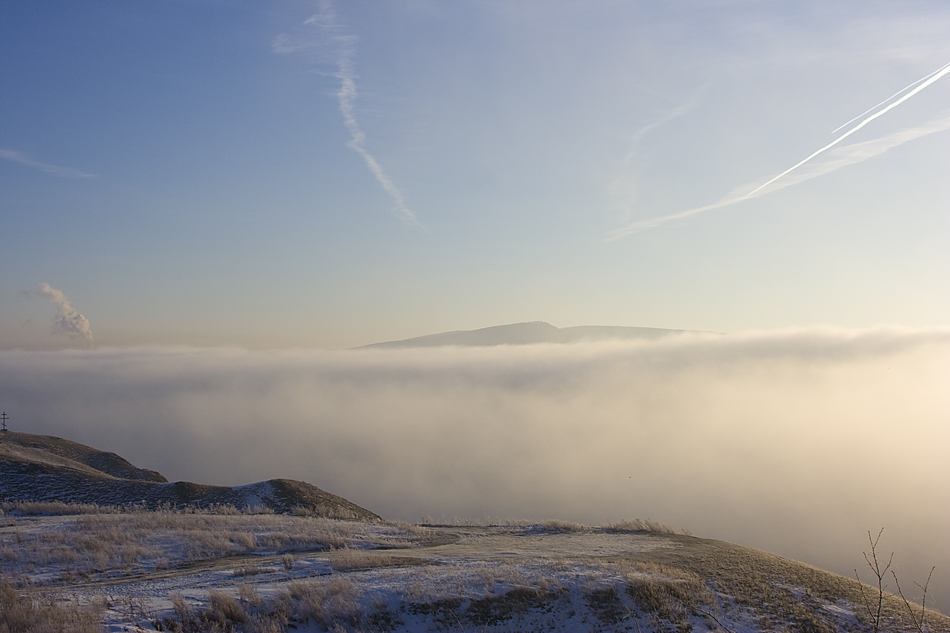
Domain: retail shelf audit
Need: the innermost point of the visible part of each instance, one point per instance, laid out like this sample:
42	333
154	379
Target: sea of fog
796	442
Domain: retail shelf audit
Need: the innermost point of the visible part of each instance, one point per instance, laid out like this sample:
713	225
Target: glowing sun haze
796	442
322	174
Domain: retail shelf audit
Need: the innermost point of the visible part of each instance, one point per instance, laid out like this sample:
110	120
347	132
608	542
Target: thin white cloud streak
623	189
67	321
330	40
946	69
859	152
742	193
842	157
23	159
346	96
796	442
899	92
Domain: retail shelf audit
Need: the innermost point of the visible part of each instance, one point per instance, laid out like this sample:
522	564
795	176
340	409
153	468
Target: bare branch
918	624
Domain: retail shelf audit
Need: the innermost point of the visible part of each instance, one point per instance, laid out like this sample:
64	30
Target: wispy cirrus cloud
623	189
323	37
23	159
842	157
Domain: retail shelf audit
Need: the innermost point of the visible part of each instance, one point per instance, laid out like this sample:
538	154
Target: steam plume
67	320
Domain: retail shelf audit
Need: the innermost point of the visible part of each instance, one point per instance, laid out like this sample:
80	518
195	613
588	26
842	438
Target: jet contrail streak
330	39
867	151
933	77
902	90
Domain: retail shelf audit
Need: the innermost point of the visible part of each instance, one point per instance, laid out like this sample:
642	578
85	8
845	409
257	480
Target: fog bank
796	442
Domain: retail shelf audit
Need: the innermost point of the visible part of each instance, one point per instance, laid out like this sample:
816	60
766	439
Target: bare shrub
918	622
875	612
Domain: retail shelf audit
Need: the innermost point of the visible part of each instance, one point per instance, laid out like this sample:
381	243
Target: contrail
902	90
861	153
341	47
357	143
933	77
65	172
623	187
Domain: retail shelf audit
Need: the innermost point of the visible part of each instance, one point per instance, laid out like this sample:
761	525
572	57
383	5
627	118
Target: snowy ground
168	571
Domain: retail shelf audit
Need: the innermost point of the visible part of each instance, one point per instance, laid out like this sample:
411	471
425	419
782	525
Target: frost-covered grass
188	572
70	548
21	613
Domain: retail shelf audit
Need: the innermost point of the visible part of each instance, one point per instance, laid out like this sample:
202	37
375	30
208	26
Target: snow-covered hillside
187	571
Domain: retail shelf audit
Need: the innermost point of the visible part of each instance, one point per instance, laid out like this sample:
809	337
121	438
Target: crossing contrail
901	91
933	77
737	195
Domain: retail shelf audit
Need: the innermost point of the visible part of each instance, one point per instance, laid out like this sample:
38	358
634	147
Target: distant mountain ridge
528	334
48	468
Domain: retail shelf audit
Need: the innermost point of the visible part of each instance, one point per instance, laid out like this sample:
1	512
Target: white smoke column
67	320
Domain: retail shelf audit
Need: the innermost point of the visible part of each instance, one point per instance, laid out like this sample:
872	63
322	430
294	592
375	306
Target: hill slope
46	468
556	576
529	333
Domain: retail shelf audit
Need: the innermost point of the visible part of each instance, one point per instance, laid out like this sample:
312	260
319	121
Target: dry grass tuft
353	559
95	545
327	602
562	527
639	525
26	613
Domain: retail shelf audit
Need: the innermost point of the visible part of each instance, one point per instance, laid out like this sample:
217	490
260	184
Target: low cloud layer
795	442
67	321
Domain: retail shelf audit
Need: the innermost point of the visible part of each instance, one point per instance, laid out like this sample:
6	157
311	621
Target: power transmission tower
3	419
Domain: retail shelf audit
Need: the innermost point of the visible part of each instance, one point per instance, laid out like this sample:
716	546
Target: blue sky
329	175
